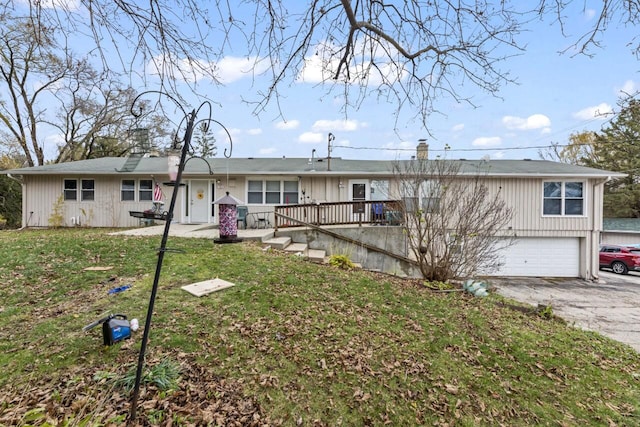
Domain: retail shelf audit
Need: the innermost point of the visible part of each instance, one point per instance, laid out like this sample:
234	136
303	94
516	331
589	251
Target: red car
620	259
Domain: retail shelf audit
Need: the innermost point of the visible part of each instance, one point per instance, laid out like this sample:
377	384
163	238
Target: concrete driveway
610	306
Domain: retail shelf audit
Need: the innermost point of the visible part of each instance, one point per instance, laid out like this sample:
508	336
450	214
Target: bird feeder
228	219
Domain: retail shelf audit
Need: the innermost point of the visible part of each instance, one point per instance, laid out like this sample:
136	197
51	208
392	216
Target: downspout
595	243
19	180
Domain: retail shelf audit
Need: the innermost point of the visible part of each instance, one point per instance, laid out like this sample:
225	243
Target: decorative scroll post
190	122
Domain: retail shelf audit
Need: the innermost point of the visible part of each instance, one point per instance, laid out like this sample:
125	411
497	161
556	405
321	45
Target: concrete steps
300	248
316	255
285	244
278	242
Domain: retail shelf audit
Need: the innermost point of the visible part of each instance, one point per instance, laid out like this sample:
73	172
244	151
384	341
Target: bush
341	261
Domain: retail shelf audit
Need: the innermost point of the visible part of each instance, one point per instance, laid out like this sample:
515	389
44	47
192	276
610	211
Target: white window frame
563	198
66	190
282	191
425	198
133	190
81	193
84	192
148	191
137	190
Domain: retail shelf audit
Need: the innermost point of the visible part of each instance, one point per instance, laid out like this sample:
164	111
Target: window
254	194
88	190
421	196
359	191
290	195
379	189
71	189
128	190
272	192
145	191
430	192
563	198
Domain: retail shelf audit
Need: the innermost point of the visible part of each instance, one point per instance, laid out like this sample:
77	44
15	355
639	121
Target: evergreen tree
10	194
204	143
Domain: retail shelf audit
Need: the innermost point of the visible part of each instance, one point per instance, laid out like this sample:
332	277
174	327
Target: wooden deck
382	212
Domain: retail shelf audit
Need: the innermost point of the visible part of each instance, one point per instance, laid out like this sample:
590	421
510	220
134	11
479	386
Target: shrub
341	261
56	219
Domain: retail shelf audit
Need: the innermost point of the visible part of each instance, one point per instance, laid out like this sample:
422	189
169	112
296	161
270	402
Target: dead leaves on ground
202	399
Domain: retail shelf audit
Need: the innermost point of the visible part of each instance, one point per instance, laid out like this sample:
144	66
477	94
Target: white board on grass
203	288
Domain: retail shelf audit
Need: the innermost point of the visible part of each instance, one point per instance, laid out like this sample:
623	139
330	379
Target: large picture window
272	192
563	198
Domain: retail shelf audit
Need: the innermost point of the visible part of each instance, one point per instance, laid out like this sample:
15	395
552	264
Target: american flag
157	194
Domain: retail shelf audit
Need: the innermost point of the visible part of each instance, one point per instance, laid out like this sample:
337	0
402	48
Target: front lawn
293	343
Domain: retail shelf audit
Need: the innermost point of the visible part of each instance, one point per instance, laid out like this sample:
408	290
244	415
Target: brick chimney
422	150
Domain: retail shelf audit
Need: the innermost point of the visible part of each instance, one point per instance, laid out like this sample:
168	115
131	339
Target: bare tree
409	53
96	121
26	52
45	84
456	225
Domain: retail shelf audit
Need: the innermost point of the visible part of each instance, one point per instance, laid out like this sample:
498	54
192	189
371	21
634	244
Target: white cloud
487	141
267	151
254	131
498	155
223	138
402	145
536	121
68	5
229	69
399	150
457	128
287	125
311	137
599	111
629	88
589	14
337	125
323	64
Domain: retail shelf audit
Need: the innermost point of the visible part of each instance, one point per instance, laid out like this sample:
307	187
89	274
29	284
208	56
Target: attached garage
542	256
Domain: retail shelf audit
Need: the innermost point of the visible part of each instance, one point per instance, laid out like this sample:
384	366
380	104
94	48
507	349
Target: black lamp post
183	148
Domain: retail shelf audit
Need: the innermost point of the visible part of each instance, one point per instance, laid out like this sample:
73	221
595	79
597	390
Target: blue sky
556	95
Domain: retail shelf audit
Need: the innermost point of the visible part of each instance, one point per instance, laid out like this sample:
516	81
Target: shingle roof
302	167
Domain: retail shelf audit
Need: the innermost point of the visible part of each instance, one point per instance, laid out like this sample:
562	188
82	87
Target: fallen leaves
202	398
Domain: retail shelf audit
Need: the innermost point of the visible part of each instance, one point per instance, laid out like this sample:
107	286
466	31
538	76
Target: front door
200	201
358	193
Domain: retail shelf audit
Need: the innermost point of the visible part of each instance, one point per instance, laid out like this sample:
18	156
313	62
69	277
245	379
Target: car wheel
619	267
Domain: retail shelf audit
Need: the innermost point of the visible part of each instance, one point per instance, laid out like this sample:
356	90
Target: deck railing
385	212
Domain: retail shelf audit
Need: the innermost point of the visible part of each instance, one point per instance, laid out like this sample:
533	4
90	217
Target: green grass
294	341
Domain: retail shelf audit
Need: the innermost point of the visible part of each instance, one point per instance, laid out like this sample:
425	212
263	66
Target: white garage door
543	257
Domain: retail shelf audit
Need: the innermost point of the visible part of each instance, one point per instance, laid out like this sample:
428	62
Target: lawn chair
243	211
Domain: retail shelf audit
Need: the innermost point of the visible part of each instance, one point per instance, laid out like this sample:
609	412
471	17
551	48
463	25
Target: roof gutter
18	180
